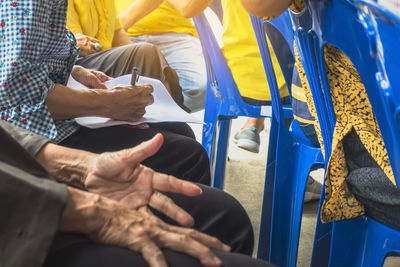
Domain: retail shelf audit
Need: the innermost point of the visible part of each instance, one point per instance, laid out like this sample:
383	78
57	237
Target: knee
147	49
230	218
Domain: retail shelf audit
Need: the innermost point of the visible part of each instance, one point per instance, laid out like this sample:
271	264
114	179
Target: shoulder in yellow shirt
95	18
163	19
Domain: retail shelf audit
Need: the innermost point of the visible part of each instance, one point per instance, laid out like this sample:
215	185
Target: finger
93	40
148	87
168	183
153	255
151	100
101	76
205	239
144	150
94	82
166	206
188	245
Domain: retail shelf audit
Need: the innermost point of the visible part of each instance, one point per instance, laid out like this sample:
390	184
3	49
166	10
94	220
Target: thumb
145	150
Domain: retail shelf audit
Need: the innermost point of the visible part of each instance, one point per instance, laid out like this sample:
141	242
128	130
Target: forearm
266	8
120	38
68	103
66	165
189	8
138	10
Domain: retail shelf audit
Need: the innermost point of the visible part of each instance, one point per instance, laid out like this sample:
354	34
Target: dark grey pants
369	183
146	57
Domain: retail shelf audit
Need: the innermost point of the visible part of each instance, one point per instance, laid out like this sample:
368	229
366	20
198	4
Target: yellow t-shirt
163	19
243	55
95	18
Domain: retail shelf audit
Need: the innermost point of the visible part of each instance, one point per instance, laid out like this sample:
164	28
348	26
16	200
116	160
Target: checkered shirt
36	52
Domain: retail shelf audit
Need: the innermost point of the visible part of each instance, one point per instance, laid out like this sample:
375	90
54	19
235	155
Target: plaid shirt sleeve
34	48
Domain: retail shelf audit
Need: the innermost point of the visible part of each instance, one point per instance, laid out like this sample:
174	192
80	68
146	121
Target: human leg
179	155
90	254
218	214
183	53
248	138
215	212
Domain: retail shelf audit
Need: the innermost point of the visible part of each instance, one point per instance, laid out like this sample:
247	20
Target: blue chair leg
290	183
322	239
210	120
280	230
219	166
263	251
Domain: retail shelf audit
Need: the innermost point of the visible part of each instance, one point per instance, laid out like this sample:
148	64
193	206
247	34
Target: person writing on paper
112	225
359	178
105	46
167	25
33	94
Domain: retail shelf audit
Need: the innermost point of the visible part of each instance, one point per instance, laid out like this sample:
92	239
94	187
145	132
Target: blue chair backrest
219	75
323	104
281	38
360	40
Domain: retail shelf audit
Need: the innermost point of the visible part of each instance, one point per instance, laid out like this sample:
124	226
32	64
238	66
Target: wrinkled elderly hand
87	45
120	176
107	222
128	103
90	78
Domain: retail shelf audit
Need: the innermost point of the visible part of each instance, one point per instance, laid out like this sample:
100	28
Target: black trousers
180	155
215	213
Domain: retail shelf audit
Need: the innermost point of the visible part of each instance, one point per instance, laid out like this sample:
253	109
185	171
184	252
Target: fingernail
226	247
216	261
212	261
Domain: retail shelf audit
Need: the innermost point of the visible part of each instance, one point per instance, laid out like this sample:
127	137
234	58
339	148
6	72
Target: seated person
105	46
167	25
359	178
46	223
33	95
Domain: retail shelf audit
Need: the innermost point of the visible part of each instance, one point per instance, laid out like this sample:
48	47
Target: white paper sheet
163	109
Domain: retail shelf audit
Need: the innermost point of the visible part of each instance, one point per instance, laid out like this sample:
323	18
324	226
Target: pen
135	76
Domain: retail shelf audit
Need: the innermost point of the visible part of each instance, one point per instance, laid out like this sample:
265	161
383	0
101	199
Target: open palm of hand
121	177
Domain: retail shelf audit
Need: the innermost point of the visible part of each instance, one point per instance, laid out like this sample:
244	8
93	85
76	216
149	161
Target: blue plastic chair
361	241
302	23
290	155
223	103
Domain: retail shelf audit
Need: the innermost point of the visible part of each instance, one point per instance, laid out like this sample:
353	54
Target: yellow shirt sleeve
73	23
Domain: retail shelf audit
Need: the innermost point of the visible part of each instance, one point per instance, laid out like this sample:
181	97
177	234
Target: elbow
189	10
189	13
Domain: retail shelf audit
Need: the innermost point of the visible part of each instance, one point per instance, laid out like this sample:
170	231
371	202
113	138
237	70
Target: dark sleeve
30	209
30	141
31	203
